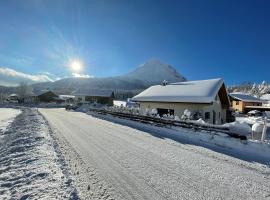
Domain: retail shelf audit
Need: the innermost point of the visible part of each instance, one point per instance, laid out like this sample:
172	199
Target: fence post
264	129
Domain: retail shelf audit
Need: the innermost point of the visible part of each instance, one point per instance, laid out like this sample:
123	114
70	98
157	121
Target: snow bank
119	103
201	121
31	166
239	128
250	150
7	116
257	127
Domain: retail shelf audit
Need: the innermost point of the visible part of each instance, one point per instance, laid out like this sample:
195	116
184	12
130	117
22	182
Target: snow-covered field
31	165
121	160
7	115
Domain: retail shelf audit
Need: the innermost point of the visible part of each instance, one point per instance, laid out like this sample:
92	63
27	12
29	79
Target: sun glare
76	66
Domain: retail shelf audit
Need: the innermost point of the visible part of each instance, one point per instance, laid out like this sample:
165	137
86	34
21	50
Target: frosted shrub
170	116
186	115
146	112
154	112
176	118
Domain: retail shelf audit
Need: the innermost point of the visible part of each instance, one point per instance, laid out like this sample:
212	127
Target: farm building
244	103
94	96
45	96
207	97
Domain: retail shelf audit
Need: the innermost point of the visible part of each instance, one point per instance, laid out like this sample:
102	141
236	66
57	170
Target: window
237	102
162	111
207	115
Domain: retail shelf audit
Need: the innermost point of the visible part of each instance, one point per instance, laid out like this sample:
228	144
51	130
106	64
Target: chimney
164	83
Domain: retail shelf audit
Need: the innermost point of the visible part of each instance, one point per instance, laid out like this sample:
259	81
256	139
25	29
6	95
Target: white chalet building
208	97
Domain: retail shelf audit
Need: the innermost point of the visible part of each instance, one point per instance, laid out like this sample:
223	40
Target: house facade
244	102
94	96
207	97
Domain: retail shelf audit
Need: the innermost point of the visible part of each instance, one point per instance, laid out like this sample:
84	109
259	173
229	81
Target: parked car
71	107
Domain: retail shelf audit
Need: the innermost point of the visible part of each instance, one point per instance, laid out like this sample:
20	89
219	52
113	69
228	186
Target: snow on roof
93	92
65	97
244	97
203	91
265	97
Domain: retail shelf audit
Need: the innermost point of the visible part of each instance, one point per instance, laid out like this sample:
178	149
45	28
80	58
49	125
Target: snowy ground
31	165
7	115
110	160
252	120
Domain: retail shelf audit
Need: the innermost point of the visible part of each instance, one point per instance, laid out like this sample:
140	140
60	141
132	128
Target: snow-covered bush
176	118
146	112
154	111
186	115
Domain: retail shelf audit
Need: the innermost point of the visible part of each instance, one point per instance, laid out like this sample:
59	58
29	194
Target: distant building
45	96
208	97
244	102
67	98
266	99
13	98
94	96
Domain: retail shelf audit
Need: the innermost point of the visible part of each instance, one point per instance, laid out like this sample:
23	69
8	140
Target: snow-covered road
120	162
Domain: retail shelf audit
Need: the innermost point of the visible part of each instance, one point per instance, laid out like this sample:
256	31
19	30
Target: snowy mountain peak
151	62
154	71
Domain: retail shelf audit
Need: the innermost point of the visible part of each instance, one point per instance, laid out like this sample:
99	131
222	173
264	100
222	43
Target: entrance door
214	117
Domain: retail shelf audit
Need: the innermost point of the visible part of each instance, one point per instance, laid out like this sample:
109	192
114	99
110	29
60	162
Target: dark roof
93	93
38	93
244	97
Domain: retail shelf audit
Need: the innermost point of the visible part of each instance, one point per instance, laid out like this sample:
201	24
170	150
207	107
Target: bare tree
24	91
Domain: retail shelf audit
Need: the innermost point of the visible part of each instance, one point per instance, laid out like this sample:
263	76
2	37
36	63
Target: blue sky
201	39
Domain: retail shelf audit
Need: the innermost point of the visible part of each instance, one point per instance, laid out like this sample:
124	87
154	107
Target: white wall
193	107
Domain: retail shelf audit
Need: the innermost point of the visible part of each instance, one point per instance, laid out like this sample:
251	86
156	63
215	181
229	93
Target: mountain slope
150	73
153	72
251	88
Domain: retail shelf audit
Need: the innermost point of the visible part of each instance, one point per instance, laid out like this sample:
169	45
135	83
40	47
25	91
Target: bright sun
76	66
